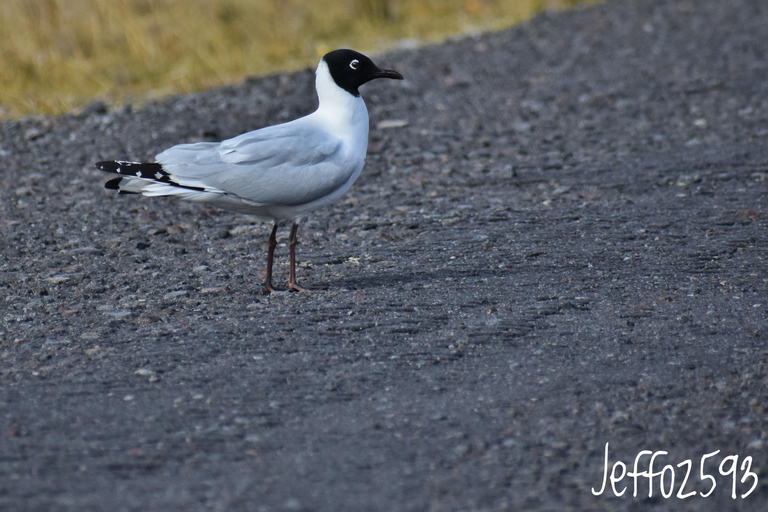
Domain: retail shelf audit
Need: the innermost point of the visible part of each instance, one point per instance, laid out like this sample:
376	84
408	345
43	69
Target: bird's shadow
393	278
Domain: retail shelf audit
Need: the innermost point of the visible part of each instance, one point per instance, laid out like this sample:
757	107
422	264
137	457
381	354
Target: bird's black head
351	69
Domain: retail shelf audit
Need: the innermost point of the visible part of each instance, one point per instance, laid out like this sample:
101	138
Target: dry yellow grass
56	55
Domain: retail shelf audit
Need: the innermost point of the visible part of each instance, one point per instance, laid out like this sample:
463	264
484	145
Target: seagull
279	173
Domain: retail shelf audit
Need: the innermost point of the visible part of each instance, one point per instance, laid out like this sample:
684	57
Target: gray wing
289	164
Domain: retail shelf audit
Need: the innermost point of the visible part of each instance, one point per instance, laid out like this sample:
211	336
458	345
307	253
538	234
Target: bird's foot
268	288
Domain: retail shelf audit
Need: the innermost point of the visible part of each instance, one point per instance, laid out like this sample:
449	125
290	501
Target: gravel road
558	242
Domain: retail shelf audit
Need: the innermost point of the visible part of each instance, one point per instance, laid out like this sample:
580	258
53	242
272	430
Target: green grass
57	55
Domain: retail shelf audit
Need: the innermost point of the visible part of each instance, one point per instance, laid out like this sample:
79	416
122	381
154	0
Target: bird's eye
354	64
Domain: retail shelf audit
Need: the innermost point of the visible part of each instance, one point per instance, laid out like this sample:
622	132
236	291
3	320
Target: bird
278	173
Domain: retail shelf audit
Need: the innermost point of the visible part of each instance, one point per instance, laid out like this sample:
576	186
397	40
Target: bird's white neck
339	110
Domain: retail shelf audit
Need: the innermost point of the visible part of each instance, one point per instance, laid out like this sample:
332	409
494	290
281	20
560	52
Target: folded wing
288	164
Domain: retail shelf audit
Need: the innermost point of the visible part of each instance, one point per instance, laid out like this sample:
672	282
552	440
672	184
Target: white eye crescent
354	64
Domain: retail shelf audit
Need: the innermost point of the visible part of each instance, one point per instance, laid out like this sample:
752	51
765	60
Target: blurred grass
58	55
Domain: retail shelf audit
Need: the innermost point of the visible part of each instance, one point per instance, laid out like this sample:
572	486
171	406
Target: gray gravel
564	246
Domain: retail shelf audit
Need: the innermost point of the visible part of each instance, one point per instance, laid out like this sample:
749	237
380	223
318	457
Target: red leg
270	257
292	283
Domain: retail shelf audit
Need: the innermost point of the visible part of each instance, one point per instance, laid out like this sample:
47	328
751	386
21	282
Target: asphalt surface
558	242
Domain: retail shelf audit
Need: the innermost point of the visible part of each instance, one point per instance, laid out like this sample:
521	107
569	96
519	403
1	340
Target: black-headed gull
278	173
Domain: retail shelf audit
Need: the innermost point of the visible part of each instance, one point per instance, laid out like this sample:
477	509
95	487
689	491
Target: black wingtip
127	168
152	171
107	166
113	184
